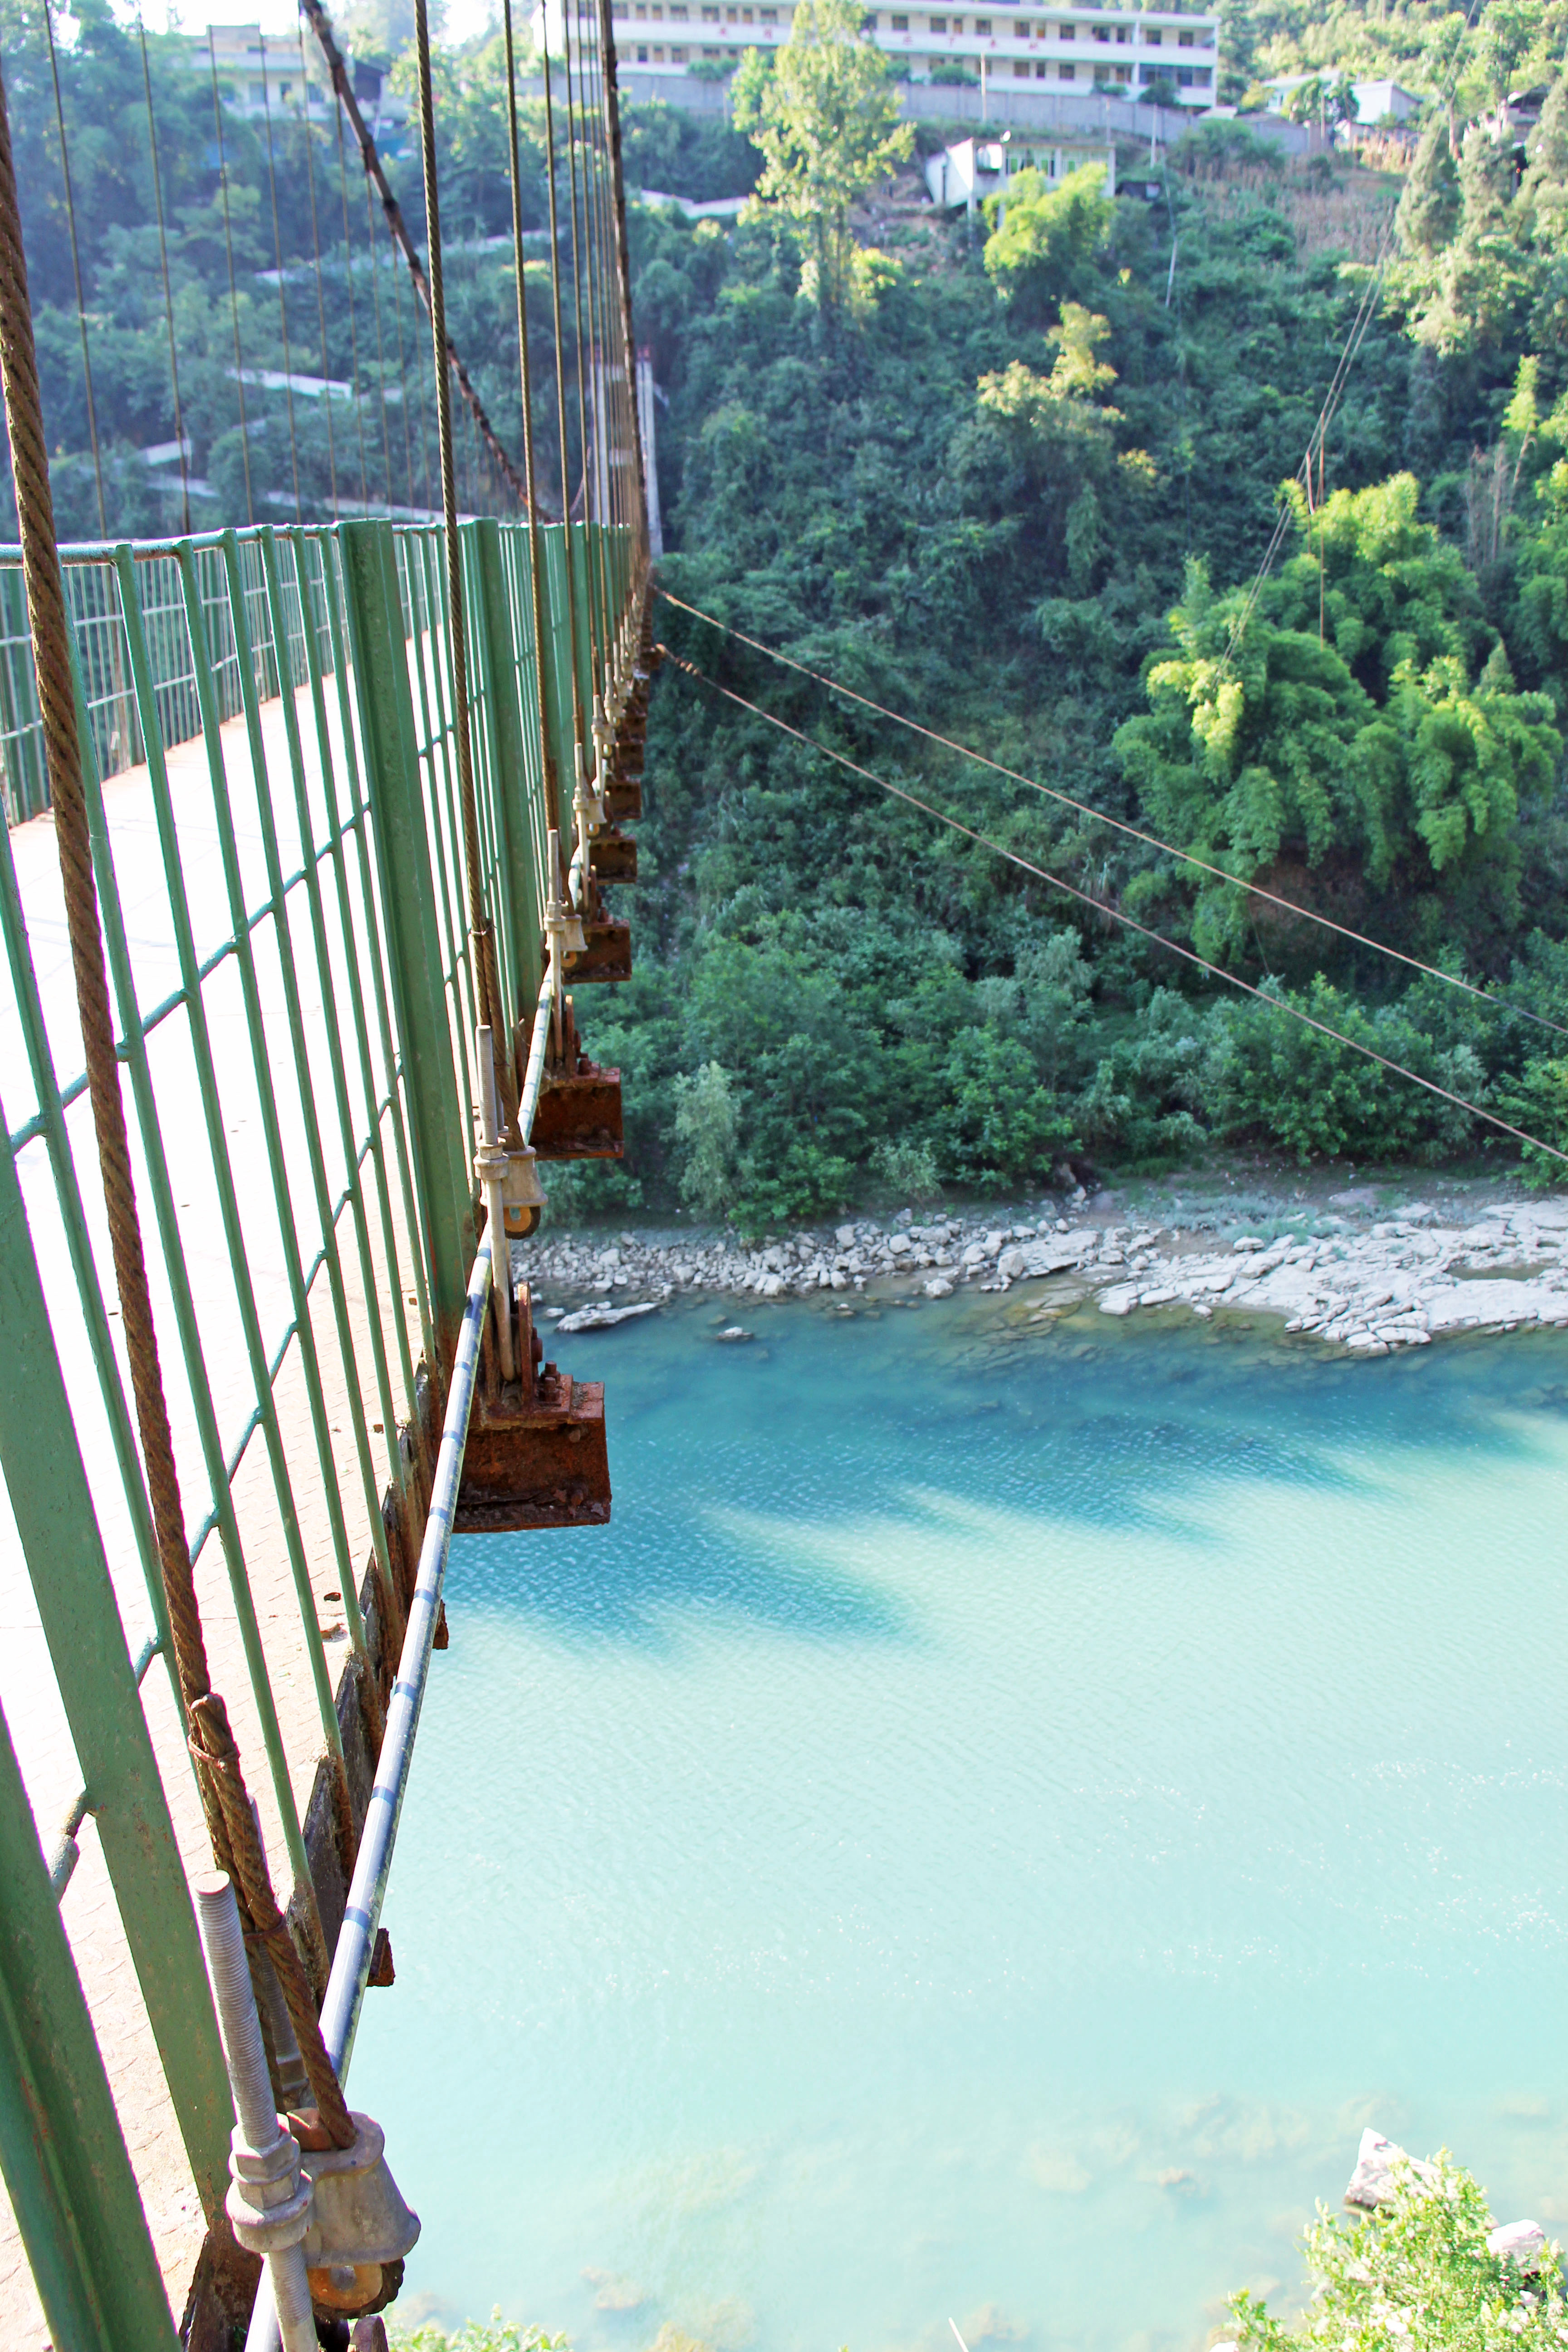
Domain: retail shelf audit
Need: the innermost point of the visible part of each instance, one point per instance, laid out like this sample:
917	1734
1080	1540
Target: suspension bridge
312	827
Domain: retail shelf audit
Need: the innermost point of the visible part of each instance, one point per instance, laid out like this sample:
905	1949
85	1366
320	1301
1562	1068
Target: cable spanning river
981	1833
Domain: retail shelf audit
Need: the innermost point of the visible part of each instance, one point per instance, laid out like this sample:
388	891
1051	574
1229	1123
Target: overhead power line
1119	825
1117	914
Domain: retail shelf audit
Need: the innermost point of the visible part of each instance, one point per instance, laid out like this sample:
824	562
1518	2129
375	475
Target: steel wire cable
481	931
233	287
309	146
168	293
579	732
354	323
282	294
585	473
397	228
1116	914
525	373
1359	328
231	1824
1120	824
75	268
381	352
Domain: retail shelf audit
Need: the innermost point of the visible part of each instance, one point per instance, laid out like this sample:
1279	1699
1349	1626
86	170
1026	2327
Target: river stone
939	1287
1521	2242
1372	2183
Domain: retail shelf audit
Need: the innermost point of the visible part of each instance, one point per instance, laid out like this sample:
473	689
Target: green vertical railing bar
53	1510
331	589
217	1145
123	978
61	2148
90	1291
492	629
402	856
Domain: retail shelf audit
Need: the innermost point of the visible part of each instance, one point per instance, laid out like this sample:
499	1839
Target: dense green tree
1044	239
824	113
1429	206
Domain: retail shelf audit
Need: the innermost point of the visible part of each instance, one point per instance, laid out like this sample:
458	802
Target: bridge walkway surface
282	869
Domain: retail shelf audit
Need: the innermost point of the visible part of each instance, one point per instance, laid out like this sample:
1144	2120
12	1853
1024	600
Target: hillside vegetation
1014	478
1019	486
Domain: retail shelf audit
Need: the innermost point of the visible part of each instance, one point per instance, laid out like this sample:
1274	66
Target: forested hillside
1016	479
1021	492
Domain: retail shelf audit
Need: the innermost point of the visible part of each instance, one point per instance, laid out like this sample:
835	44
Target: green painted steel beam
61	2148
490	621
50	1500
441	1175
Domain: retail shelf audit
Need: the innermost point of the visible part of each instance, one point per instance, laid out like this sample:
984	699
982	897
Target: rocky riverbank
1364	1269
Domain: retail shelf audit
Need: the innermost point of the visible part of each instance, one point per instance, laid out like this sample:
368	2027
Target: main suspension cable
481	931
1119	825
1130	923
320	24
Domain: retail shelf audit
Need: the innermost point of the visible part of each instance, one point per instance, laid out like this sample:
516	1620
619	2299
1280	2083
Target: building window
746	17
1184	77
1020	69
731	13
1067	70
677	57
939	24
1151	38
1040	70
642	55
1066	33
1183	40
901	24
1201	77
982	28
658	56
1122	73
1102	32
1123	34
679	8
767	15
712	53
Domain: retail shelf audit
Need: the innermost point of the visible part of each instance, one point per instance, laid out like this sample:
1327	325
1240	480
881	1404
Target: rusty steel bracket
623	796
607	949
613	856
578	1114
536	1453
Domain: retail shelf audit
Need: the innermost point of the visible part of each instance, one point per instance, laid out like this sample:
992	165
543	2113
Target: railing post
490	623
52	1506
61	2148
380	657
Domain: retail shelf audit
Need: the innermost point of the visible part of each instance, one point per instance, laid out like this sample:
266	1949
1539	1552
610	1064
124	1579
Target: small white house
1376	101
977	168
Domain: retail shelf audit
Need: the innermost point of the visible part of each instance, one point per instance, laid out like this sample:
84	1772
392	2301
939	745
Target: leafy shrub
706	1132
492	2335
1415	2274
1317	1094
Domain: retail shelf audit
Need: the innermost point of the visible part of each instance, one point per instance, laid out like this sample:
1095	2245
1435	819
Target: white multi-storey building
1125	50
282	75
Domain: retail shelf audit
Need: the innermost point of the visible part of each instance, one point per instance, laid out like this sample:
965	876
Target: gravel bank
1333	1269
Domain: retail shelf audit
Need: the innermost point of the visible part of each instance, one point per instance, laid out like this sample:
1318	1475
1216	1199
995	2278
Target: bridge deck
353	1392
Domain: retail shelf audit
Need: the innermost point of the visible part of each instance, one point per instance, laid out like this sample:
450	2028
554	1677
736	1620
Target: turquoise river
981	1833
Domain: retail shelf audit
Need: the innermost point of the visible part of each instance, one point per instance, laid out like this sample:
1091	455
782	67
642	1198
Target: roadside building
1127	52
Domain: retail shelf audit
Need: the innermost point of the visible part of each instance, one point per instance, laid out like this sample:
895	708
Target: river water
979	1835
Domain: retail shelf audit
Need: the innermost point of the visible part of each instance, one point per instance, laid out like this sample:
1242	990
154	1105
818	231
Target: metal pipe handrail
538	1046
367	1890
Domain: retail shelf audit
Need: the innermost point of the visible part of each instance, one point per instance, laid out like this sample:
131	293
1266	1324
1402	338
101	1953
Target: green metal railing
272	785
